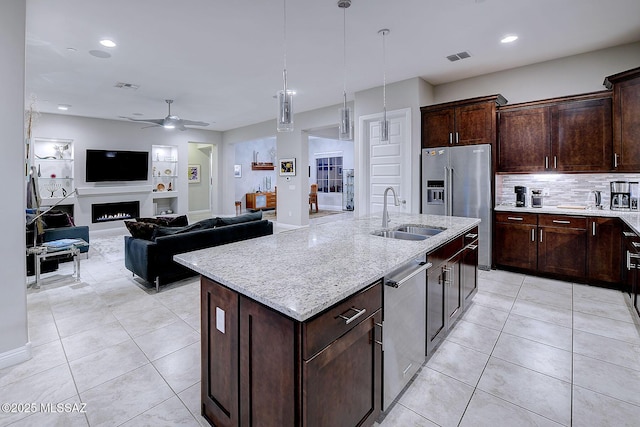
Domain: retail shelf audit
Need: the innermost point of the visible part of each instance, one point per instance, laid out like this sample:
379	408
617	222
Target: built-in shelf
262	166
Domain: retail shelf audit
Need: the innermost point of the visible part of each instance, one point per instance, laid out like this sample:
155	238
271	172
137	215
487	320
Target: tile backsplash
564	189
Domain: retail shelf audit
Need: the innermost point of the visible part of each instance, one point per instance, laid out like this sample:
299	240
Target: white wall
14	341
566	76
117	134
251	180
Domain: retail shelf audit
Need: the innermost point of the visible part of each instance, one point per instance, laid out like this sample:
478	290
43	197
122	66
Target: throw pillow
253	216
140	230
167	221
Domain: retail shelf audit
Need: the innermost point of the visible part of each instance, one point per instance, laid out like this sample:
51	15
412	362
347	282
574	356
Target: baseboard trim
15	356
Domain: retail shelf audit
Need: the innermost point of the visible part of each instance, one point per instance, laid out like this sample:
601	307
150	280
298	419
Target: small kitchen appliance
521	196
621	195
536	198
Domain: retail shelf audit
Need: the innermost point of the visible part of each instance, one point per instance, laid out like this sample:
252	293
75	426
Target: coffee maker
620	195
521	196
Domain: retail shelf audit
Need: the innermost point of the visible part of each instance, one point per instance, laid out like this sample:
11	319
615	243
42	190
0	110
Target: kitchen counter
631	218
302	272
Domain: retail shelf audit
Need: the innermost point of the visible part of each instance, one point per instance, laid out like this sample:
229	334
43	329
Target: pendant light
384	123
285	96
345	132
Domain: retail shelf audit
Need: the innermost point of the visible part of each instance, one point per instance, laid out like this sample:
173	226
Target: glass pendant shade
285	110
384	127
345	132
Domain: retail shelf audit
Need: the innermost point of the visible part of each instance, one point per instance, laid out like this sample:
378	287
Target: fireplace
104	212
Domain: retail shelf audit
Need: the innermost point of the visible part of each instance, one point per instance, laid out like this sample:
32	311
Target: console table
56	248
266	200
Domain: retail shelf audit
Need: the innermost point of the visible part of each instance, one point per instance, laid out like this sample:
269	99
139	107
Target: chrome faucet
385	212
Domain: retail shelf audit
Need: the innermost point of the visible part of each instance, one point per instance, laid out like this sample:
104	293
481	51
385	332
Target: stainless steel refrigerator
457	181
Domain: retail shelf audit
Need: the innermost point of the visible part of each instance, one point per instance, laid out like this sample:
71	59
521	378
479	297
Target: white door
390	161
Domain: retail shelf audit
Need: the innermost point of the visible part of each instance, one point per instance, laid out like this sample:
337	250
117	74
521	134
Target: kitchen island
291	323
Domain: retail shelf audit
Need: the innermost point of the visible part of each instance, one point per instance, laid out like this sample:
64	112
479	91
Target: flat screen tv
116	165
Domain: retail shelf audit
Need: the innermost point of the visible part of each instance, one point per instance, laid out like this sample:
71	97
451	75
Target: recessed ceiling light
509	39
72	49
107	43
63	107
99	54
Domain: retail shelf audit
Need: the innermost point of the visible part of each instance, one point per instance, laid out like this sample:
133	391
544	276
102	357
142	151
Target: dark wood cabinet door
524	141
561	250
342	383
219	308
605	248
438	127
454	293
515	245
436	313
469	272
475	124
268	387
627	126
581	136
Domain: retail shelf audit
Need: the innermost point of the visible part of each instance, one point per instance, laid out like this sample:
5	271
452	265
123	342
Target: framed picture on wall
194	174
237	171
288	167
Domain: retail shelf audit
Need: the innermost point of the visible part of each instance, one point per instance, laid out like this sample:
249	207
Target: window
329	174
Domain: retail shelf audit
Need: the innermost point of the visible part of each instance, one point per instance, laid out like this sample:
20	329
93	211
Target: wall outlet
545	191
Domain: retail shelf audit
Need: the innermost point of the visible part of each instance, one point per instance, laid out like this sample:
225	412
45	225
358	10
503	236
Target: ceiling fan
170	122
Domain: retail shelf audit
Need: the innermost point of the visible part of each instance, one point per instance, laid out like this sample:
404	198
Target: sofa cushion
253	216
140	230
205	224
167	221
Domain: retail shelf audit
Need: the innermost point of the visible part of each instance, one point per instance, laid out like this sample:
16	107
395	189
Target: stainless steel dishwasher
404	326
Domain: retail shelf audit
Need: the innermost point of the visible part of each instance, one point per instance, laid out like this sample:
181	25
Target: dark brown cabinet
469	267
515	243
466	122
626	118
570	134
260	367
604	250
632	267
562	243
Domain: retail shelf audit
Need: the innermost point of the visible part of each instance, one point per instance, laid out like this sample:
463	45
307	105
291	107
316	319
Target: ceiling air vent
121	85
458	56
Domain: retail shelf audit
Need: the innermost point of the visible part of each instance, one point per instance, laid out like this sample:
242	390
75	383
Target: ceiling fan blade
194	123
180	126
154	121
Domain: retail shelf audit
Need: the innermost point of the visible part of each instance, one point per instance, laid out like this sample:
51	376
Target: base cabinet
260	367
564	246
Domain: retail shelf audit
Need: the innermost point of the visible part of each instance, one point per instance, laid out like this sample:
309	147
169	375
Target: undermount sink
401	235
409	232
418	229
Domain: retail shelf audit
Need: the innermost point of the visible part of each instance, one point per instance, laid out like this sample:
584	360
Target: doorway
202	198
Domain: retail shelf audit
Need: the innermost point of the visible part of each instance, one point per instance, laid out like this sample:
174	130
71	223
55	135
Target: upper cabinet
626	119
467	122
570	134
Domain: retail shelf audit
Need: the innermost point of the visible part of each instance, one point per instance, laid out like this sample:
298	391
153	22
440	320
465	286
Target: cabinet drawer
471	236
579	222
444	253
519	218
271	197
320	331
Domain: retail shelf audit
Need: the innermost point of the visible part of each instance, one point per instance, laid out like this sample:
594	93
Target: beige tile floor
529	351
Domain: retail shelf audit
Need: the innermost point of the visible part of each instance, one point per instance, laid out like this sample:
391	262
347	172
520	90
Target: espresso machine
620	195
521	196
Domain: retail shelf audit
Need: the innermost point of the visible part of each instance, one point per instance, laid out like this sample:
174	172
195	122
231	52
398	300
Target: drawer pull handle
636	245
557	221
348	320
473	247
471	236
629	234
514	218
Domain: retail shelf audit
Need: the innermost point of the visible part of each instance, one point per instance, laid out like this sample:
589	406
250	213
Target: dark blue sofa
152	260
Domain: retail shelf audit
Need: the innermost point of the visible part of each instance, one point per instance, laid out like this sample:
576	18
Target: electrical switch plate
220	319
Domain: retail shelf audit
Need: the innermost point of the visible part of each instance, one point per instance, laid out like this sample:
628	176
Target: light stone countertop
302	272
631	218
